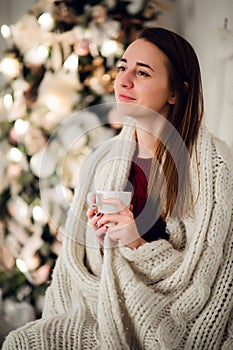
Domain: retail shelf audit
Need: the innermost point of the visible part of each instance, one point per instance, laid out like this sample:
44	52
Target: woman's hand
124	230
94	216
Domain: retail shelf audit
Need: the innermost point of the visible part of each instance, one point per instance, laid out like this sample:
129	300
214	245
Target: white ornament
43	164
36	55
58	91
10	67
135	6
18	209
46	21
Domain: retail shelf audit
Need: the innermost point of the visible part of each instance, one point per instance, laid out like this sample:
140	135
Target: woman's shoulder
219	149
223	151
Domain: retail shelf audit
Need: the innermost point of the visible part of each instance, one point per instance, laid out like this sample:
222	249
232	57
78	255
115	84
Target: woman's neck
148	136
146	144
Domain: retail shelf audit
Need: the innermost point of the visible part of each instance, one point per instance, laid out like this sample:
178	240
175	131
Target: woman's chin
133	110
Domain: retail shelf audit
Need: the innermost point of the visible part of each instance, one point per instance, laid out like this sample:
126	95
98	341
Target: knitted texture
168	295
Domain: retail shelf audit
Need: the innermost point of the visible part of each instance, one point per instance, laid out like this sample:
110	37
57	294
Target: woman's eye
121	68
143	74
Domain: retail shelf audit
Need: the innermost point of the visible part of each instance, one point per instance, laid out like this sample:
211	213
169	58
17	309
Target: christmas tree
60	57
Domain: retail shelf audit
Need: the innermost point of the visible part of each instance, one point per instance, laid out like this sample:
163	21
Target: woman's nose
127	84
126	81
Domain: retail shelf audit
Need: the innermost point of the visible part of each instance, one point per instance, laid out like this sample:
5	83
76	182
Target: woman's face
142	78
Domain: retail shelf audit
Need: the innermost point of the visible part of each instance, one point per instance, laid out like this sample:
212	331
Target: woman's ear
172	99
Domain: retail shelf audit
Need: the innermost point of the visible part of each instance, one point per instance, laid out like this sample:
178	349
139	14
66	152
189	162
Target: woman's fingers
94	216
114	218
124	230
95	220
91	211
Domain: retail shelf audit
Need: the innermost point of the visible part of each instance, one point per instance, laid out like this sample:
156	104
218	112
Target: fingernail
98	214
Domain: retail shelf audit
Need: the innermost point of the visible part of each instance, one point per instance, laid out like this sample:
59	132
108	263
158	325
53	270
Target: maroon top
148	228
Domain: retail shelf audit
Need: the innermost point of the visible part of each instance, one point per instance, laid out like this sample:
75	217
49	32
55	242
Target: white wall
202	23
11	11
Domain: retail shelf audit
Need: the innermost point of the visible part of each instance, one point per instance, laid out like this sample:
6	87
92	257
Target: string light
21	126
24	269
71	63
46	21
10	67
39	214
15	155
7	101
108	48
36	55
5	31
21	265
106	77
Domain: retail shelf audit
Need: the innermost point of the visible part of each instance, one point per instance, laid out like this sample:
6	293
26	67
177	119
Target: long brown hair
185	115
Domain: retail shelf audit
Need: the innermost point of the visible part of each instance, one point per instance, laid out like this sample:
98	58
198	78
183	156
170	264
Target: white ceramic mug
95	198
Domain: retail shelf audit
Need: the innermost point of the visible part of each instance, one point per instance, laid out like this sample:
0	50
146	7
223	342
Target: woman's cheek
115	84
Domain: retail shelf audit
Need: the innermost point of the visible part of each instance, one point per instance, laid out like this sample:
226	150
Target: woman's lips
123	97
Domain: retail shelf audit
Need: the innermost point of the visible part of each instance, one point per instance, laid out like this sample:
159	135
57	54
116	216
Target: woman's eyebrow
140	64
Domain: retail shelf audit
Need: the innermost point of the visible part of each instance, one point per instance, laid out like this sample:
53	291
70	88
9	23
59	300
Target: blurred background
57	59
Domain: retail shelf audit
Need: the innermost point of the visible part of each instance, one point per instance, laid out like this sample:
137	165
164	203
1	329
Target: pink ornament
41	275
14	137
82	47
14	171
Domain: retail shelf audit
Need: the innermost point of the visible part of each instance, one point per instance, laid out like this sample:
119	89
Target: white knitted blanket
174	294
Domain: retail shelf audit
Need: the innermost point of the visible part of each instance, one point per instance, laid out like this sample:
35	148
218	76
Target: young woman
167	284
